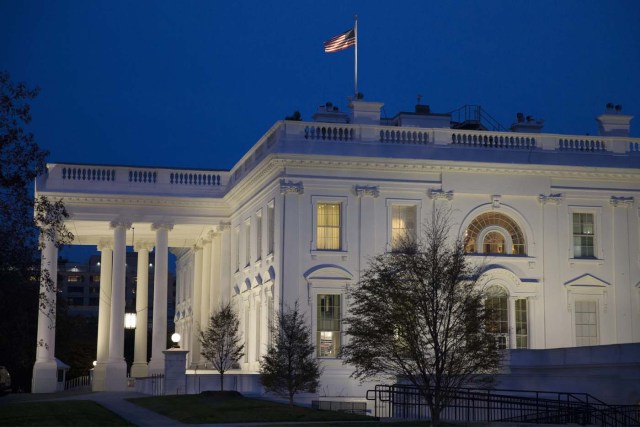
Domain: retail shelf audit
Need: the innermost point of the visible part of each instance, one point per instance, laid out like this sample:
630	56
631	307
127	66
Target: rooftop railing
125	179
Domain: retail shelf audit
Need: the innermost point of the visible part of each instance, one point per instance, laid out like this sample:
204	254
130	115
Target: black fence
496	405
342	406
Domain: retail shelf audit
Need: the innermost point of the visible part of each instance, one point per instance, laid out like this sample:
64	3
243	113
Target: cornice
153	201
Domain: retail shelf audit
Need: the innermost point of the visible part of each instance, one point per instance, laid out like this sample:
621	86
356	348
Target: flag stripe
341	41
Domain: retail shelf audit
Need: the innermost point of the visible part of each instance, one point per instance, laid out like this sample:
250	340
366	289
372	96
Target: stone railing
123	179
488	140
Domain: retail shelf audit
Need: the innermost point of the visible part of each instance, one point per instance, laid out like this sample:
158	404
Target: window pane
328	325
586	315
403	224
328	229
583	235
522	328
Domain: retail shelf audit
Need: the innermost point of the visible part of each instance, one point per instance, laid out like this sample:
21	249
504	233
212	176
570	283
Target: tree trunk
221	381
435	416
290	399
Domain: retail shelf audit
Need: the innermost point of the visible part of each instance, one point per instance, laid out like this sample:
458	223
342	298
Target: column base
98	382
116	376
156	365
45	377
139	370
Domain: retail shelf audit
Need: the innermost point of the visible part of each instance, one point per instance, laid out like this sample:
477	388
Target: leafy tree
21	220
418	315
290	365
221	340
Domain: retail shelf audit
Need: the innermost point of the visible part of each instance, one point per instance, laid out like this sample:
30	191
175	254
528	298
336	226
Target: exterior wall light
130	320
175	339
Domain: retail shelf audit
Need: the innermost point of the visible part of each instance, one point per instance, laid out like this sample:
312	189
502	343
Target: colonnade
110	373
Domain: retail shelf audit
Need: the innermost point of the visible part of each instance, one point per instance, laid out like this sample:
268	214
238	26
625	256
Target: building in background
554	217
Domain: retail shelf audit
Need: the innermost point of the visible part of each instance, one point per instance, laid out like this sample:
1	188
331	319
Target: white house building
555	218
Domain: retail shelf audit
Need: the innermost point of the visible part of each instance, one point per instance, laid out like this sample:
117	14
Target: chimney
528	125
613	122
366	113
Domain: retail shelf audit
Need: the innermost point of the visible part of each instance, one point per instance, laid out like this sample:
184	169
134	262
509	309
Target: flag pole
355	29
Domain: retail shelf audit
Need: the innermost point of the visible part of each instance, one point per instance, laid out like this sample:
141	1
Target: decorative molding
440	194
290	187
115	224
105	244
621	201
143	245
367	191
224	226
156	226
553	198
495	200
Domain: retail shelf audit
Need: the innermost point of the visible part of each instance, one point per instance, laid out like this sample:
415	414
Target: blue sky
196	83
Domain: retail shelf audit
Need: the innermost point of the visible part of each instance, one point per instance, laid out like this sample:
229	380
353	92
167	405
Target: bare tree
221	340
418	315
290	365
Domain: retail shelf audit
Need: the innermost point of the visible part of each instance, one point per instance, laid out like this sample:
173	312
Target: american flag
341	41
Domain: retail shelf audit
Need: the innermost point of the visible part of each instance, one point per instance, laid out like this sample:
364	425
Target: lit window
270	229
583	235
586	323
498	302
328	337
74	278
494	233
522	329
328	230
403	225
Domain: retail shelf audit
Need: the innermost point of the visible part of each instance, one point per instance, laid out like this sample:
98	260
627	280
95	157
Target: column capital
158	225
197	246
367	190
290	187
212	234
224	226
105	244
116	224
553	198
621	201
143	245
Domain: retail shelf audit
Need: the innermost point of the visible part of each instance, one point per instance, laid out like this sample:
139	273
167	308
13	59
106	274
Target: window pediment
328	272
588	281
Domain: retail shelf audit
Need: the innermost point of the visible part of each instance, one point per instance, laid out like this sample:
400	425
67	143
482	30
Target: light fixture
130	320
175	339
95	362
150	264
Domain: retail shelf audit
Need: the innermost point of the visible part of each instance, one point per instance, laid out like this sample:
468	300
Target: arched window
494	233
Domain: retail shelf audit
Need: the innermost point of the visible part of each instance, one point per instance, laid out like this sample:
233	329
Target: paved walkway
117	403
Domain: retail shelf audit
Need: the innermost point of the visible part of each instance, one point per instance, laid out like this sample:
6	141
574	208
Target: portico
121	213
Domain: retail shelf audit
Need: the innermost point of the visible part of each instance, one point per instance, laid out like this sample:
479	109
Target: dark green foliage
61	413
21	220
221	340
290	365
418	315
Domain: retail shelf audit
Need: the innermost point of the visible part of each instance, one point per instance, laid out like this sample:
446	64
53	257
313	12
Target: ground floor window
498	303
586	323
328	329
522	329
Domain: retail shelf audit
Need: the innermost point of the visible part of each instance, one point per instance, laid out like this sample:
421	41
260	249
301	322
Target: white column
116	367
139	367
44	378
195	306
104	315
159	336
224	287
206	283
214	295
512	322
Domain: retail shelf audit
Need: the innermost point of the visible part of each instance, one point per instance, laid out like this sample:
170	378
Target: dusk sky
196	83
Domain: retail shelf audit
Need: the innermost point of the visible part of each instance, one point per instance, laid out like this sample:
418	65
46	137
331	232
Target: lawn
61	413
204	409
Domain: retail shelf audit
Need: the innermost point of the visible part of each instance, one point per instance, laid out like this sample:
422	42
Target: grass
204	409
65	413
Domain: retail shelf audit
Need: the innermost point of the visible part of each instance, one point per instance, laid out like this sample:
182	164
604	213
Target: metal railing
497	405
78	383
152	385
340	406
